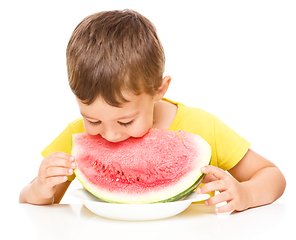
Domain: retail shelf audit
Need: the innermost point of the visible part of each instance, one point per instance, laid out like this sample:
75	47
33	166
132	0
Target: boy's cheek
91	130
139	131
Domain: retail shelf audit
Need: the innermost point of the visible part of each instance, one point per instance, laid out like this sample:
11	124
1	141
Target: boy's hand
52	172
233	192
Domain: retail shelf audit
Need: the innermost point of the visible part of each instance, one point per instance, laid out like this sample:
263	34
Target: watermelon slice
158	167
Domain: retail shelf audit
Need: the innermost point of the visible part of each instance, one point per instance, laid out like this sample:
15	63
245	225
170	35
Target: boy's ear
163	88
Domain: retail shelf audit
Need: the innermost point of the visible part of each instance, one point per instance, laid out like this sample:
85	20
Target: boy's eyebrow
83	115
123	117
129	115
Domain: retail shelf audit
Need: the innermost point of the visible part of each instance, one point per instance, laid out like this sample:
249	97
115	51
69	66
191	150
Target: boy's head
115	65
113	52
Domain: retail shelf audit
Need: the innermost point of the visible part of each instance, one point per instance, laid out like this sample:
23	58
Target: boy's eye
95	123
125	124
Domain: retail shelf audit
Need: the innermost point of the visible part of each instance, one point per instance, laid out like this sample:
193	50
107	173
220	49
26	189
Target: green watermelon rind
184	193
175	197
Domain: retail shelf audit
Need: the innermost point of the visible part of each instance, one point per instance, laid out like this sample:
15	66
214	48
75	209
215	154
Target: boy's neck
164	114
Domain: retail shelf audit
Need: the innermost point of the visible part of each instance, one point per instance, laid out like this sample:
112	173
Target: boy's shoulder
190	117
188	109
76	126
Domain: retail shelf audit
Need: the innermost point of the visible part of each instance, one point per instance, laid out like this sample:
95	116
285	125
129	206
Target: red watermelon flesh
157	167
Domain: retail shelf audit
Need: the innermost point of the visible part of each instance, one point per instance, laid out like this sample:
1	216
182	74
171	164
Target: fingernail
217	210
71	158
206	203
203	169
198	190
71	171
73	165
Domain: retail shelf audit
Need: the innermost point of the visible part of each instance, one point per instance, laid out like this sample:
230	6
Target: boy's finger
53	181
58	171
219	198
209	178
212	186
62	155
58	162
229	207
217	172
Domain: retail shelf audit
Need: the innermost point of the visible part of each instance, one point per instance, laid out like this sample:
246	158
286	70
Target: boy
115	65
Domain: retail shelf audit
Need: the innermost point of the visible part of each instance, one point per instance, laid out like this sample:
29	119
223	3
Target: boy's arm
61	190
29	194
263	178
254	181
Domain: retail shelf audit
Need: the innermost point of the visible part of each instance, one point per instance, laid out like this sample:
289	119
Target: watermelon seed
122	173
118	172
103	167
138	179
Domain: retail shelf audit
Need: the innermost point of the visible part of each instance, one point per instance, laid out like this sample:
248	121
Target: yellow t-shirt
228	148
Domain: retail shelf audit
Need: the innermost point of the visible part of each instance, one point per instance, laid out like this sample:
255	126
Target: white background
235	59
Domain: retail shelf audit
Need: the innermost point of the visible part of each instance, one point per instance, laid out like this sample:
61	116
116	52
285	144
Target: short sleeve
230	147
63	142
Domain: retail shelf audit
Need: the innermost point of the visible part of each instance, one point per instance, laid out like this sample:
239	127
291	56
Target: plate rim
130	204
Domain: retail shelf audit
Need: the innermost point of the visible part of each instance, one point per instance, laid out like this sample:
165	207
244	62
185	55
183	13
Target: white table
74	221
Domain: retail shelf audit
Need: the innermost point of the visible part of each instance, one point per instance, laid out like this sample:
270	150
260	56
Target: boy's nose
111	136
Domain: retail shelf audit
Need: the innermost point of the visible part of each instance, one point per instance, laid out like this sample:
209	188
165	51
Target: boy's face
133	119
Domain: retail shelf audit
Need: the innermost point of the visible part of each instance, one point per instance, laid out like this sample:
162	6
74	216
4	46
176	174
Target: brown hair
113	51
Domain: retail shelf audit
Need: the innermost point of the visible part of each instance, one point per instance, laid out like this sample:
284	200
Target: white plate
151	211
